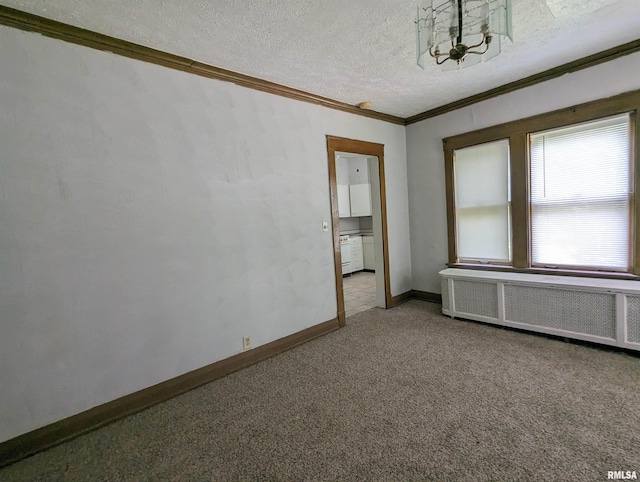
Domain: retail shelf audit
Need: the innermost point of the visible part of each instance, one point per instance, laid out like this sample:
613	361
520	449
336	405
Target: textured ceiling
351	51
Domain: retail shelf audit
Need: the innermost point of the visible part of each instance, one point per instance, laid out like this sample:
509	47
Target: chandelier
459	33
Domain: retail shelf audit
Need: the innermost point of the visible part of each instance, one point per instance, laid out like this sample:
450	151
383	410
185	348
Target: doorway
369	155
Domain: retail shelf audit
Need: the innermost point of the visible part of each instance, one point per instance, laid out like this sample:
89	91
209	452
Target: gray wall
150	219
425	159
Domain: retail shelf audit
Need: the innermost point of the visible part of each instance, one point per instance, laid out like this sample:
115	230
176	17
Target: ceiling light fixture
462	31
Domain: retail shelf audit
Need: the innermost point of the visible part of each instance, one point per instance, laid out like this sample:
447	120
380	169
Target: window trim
517	132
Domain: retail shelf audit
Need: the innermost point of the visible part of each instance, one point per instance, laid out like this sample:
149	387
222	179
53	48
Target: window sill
547	271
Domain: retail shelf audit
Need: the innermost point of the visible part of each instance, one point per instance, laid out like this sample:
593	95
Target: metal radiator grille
633	319
444	284
476	298
576	311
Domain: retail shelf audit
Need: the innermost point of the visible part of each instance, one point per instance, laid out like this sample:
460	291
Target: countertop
356	233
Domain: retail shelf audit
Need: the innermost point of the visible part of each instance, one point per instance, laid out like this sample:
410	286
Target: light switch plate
325	226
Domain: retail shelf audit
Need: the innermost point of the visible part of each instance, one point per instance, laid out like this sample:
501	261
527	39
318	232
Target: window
551	193
580	195
482	202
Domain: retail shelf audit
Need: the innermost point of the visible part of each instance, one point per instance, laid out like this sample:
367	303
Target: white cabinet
342	180
342	170
344	204
357	260
368	253
360	199
354	189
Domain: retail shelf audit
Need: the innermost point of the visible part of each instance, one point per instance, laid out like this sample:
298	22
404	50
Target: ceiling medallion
463	32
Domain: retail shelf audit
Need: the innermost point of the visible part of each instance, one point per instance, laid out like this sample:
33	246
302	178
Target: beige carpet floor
401	394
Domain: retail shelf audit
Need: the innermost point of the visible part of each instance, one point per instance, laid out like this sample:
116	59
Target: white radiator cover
599	310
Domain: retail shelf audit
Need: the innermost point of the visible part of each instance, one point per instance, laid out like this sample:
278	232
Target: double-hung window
581	196
549	193
482	203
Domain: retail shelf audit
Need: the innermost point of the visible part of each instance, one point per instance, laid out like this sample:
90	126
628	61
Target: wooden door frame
341	144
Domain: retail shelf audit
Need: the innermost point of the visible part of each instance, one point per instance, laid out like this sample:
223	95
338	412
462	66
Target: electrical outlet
246	343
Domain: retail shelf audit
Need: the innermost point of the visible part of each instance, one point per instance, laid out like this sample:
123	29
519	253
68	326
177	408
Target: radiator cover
599	310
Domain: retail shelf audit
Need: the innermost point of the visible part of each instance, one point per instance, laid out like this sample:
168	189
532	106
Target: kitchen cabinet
354	188
368	253
357	256
342	170
342	180
360	200
344	203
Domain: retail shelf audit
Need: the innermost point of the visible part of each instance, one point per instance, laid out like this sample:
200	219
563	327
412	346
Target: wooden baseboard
56	433
399	299
426	296
414	295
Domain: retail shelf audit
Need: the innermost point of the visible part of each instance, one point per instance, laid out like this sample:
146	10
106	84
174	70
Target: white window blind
580	195
482	191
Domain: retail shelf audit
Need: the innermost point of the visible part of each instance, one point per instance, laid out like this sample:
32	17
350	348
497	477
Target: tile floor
359	292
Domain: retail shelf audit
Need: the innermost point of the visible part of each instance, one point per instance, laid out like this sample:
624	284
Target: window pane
580	195
481	176
483	233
